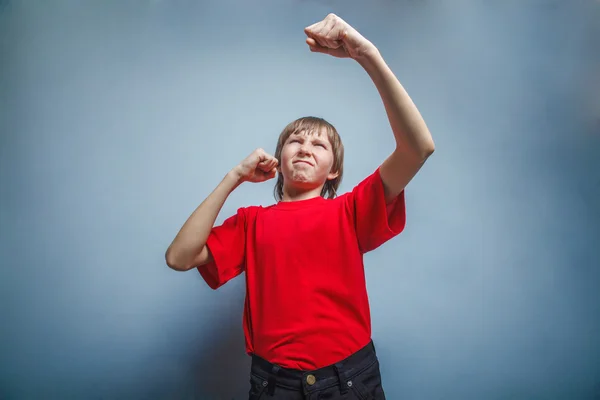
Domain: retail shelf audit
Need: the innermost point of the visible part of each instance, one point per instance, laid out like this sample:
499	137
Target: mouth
302	162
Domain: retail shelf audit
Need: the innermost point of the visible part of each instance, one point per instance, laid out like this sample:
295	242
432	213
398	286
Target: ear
332	175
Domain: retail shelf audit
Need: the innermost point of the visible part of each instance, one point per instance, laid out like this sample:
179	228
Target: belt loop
273	380
343	386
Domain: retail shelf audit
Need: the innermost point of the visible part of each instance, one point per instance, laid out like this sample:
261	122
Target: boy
306	317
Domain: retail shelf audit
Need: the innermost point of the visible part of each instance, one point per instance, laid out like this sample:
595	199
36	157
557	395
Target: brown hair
312	124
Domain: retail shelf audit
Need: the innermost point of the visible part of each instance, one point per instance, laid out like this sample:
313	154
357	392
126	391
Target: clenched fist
336	37
257	167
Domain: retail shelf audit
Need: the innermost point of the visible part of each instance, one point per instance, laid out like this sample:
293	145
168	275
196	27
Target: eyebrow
315	137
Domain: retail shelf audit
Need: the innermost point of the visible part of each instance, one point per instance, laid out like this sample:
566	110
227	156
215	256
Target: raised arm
188	250
414	143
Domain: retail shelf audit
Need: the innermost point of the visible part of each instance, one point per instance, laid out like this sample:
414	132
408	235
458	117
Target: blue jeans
356	377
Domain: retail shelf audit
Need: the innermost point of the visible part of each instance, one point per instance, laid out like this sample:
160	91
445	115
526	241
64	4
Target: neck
297	194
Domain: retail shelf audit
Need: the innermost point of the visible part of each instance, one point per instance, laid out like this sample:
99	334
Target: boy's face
307	159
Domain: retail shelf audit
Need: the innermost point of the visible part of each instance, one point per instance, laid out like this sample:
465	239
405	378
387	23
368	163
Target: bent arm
188	250
414	143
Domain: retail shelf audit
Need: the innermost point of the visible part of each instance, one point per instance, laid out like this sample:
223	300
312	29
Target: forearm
192	236
409	128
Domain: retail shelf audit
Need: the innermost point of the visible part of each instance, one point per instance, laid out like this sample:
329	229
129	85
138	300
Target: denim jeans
356	377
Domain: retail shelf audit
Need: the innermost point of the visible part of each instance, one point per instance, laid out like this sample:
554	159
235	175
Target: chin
300	180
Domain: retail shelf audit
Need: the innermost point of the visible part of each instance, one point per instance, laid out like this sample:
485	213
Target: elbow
173	262
429	150
420	150
421	153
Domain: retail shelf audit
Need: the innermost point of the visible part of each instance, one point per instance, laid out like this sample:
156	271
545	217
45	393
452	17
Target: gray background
118	118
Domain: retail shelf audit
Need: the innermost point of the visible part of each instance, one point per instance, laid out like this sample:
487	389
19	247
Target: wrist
235	176
368	56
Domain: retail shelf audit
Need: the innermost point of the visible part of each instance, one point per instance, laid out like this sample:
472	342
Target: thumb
317	48
263	161
271	174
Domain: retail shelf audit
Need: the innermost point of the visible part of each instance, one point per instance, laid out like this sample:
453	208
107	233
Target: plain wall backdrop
118	118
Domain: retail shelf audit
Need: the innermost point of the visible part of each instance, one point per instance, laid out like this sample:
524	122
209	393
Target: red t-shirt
306	301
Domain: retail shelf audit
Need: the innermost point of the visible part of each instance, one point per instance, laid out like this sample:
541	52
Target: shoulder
366	183
250	213
250	210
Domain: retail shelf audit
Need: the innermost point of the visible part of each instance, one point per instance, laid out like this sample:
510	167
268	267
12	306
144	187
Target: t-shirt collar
291	205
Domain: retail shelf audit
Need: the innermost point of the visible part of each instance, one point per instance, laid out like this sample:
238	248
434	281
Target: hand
336	37
257	167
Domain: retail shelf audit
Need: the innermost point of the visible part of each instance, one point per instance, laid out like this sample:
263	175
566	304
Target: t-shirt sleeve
226	243
375	221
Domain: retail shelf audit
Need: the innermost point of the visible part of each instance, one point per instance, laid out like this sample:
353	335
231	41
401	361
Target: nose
304	149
